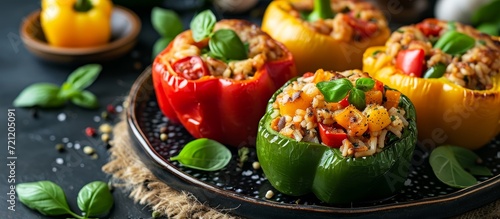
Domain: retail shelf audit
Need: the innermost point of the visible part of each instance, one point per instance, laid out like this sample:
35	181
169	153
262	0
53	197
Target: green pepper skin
298	168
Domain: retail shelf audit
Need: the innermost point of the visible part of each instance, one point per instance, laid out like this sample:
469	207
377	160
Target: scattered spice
94	156
256	165
105	137
269	194
163	129
105	128
90	131
110	108
60	147
163	137
138	65
88	150
155	214
104	115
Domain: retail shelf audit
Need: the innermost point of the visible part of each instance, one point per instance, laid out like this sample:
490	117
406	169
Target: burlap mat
130	174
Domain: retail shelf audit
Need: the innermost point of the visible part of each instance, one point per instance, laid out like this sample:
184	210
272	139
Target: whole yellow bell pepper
446	113
76	23
313	50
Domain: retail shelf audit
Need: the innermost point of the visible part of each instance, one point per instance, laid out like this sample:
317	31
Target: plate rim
483	191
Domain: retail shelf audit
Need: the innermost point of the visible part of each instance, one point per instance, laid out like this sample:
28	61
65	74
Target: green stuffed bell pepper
343	136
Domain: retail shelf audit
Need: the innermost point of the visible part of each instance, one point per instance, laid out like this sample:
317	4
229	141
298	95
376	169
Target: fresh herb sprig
168	24
486	18
455	43
204	154
48	95
94	199
455	166
336	90
223	44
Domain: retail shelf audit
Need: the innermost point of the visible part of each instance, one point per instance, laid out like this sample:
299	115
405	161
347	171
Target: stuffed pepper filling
194	60
348	21
360	124
435	49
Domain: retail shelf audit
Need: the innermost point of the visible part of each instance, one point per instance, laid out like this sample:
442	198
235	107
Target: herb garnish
336	90
223	44
94	199
455	166
455	43
168	24
50	95
204	154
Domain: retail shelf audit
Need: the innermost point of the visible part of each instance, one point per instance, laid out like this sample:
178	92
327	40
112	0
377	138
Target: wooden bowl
125	26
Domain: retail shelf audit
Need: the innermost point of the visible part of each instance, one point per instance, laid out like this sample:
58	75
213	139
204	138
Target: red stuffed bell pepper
216	97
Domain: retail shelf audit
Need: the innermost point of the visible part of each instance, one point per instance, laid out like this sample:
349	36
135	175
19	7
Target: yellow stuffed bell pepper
76	23
457	104
333	36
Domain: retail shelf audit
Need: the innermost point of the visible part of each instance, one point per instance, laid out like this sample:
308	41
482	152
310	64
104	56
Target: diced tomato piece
344	102
379	85
364	29
332	136
411	62
308	74
191	67
430	27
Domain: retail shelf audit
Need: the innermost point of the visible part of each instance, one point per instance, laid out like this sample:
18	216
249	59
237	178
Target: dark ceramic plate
241	190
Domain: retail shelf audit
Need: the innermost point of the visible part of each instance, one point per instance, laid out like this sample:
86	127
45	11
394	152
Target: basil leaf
365	84
453	43
40	94
166	22
492	29
85	99
336	90
84	76
435	71
202	25
448	170
357	98
44	196
486	13
226	45
468	160
160	45
204	154
67	91
95	199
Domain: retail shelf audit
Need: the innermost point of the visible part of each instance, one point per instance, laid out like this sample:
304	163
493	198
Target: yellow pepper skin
446	113
63	26
312	50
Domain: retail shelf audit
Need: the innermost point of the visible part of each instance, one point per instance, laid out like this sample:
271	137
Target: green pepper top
299	167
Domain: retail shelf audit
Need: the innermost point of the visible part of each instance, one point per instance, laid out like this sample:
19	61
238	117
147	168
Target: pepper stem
322	10
83	5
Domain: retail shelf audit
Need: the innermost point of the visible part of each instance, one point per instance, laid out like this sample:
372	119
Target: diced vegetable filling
193	60
351	21
345	110
435	49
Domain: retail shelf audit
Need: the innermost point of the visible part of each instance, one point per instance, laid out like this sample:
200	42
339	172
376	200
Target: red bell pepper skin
224	110
411	62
